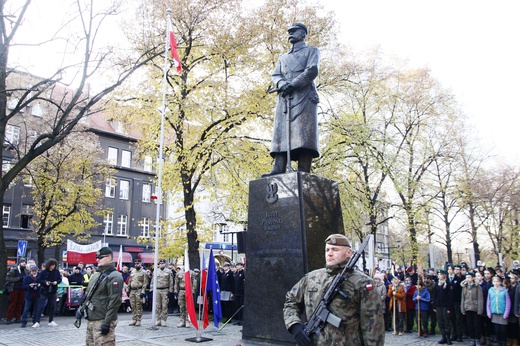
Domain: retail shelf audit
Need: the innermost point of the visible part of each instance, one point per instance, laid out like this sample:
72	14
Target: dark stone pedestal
290	216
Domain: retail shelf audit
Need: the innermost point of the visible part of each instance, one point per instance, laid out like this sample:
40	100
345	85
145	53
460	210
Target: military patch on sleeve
369	287
115	287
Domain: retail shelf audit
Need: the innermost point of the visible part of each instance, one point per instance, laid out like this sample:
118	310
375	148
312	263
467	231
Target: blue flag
214	287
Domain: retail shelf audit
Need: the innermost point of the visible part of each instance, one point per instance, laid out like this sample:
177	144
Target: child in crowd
498	307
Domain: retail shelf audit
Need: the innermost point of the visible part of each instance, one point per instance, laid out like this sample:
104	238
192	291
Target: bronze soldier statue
297	104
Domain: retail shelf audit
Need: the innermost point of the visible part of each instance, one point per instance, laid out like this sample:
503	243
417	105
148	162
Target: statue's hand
287	89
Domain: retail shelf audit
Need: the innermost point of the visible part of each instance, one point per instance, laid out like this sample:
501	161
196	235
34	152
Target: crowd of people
45	289
480	305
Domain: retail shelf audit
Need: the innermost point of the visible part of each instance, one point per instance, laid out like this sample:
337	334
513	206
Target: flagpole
159	173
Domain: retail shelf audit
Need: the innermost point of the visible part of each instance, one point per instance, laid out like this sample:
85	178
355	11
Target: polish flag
204	293
119	266
190	305
173	48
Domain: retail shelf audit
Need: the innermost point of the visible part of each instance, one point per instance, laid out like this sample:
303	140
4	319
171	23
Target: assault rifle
322	314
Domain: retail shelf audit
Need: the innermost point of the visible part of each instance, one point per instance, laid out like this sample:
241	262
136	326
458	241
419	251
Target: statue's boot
280	164
304	163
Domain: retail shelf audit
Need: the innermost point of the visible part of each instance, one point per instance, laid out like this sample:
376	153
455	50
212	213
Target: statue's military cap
337	239
295	26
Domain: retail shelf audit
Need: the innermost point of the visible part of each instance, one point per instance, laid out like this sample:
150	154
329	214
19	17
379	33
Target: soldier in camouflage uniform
101	309
361	312
137	282
164	285
181	293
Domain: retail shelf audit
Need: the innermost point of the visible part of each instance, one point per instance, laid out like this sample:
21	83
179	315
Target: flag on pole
214	287
190	305
173	48
204	293
120	258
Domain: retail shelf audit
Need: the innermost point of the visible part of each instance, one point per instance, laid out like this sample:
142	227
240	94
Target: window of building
147	192
28	181
37	110
226	238
108	223
112	155
126	158
145	227
12	103
6	165
12	135
124	189
110	188
6	213
26	215
122	224
148	163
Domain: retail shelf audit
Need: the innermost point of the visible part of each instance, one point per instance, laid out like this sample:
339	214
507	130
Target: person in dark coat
76	278
443	306
32	295
293	78
227	291
49	278
16	292
240	278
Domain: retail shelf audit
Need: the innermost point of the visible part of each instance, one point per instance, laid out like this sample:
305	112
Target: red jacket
409	297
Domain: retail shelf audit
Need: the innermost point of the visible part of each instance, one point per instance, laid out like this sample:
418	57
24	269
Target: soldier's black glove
301	338
105	328
287	89
141	295
79	315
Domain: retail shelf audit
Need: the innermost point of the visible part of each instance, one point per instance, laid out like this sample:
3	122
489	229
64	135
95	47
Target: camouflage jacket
164	280
138	280
180	282
361	312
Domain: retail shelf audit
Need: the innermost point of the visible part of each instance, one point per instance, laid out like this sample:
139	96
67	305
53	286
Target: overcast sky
470	46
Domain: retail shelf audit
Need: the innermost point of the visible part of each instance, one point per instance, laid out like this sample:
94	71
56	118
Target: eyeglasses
101	257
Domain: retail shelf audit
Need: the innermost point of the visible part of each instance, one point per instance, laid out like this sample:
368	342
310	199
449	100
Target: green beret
470	274
162	261
337	239
457	266
104	251
442	271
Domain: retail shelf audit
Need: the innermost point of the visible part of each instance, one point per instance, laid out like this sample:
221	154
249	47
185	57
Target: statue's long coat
299	67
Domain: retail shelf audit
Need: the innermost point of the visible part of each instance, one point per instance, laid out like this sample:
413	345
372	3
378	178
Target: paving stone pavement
66	334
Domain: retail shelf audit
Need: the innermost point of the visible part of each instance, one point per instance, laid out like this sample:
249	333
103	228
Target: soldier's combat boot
448	339
137	323
158	323
182	324
442	340
132	323
163	323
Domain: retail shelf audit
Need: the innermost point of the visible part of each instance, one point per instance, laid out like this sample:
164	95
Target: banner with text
82	253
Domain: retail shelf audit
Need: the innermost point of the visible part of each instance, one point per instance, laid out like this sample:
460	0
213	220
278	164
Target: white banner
74	247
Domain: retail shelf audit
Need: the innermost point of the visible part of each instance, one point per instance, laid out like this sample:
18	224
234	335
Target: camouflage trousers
137	305
94	336
182	306
161	309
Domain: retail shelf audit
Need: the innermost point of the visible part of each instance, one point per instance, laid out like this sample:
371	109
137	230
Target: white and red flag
190	305
204	293
119	266
173	48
